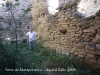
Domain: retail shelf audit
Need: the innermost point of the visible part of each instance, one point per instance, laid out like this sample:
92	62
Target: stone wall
68	32
64	1
8	24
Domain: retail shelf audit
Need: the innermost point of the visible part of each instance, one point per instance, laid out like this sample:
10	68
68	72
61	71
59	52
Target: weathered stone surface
98	13
92	61
76	53
80	36
98	62
96	39
95	52
89	30
72	52
82	52
23	24
90	18
81	56
80	45
90	56
98	46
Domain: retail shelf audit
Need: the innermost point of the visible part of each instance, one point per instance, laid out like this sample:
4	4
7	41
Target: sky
52	5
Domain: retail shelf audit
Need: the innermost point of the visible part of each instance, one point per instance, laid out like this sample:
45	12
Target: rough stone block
82	52
92	61
81	56
96	39
90	56
76	53
98	13
72	51
98	62
95	52
89	31
98	46
80	45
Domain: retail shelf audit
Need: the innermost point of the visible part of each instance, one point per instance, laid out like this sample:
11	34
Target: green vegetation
40	62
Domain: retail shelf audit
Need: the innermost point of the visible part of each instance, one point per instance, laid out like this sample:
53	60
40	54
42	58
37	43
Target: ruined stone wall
39	10
22	21
64	1
68	32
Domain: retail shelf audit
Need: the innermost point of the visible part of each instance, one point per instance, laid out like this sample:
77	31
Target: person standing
31	35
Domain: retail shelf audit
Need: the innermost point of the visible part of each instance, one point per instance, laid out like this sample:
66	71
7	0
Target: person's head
31	29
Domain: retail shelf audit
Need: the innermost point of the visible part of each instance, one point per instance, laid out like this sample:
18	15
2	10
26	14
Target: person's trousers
32	45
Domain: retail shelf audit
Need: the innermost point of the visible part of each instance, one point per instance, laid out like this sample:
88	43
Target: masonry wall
70	33
9	27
